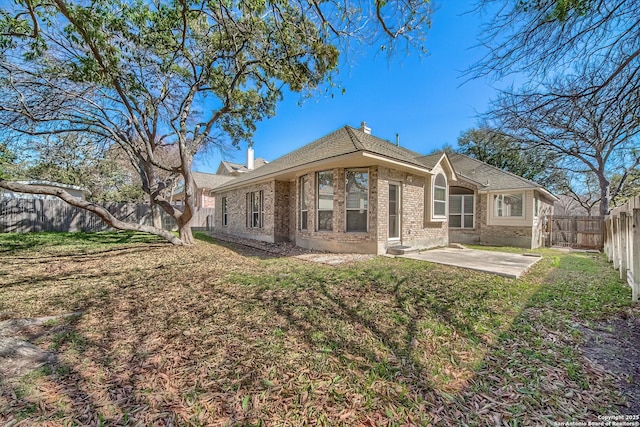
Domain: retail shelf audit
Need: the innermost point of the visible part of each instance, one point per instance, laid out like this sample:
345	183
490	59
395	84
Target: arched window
440	196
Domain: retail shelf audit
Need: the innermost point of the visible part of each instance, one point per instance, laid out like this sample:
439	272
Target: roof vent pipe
364	128
397	139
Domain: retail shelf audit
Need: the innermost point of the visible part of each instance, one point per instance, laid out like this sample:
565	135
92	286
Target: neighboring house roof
204	181
489	177
236	168
345	140
209	180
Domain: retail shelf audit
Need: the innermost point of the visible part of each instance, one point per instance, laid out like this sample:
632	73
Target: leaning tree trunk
100	211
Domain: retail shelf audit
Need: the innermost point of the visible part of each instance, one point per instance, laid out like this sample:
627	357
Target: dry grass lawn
220	334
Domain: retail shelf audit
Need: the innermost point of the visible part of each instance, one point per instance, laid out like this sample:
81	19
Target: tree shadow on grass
287	342
11	243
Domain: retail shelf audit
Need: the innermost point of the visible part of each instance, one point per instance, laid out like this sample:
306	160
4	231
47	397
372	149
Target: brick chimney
364	128
250	158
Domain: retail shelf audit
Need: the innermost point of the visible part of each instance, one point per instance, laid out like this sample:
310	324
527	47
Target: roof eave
511	190
353	156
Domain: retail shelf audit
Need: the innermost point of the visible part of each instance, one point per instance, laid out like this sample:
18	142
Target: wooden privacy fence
32	215
580	232
622	242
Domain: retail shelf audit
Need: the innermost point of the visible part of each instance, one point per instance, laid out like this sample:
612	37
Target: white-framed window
255	209
357	199
304	208
225	217
536	206
439	196
324	195
508	205
461	207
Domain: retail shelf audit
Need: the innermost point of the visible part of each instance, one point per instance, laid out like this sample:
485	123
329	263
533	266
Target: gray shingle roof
210	180
343	141
237	167
431	160
489	177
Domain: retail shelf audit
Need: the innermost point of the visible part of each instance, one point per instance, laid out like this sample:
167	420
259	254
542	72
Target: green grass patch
208	334
75	242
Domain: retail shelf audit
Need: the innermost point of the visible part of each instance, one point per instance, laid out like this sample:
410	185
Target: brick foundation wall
337	240
281	212
524	236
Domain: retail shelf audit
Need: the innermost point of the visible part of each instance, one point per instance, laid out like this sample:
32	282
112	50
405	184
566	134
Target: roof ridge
528	181
414	155
354	139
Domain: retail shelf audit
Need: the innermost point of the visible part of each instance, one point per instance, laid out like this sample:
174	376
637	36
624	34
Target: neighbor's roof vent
364	128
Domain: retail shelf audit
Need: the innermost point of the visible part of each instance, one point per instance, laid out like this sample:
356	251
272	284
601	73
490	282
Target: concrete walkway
500	263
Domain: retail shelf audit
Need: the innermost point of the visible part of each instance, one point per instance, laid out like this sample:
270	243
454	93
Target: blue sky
424	99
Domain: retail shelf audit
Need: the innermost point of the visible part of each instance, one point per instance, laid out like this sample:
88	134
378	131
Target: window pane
514	203
325	220
440	181
357	220
304	182
468	204
440	194
325	190
455	204
303	220
439	208
468	221
325	202
357	189
454	221
393	226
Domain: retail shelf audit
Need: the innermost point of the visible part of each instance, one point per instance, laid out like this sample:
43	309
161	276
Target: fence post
616	241
634	271
622	230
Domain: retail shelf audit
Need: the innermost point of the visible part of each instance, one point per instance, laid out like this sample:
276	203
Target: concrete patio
500	263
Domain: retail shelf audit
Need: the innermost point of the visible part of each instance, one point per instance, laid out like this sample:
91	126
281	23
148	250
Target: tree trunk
92	207
604	194
185	233
156	215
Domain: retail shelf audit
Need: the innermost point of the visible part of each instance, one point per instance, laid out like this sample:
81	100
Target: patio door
394	211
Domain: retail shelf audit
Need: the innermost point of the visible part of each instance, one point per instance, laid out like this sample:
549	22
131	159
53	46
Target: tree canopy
183	74
501	150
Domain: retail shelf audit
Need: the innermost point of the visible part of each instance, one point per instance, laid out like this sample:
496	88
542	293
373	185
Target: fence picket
622	243
33	215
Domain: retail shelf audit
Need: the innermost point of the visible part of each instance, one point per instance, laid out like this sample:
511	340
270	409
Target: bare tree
595	135
545	39
183	74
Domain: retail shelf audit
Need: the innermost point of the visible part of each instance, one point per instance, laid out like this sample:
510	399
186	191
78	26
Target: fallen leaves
224	335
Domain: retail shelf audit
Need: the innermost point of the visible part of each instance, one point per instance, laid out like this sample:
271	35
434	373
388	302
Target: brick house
350	191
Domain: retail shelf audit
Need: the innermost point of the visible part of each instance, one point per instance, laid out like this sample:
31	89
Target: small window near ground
440	196
224	211
461	211
304	210
508	205
325	201
357	199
